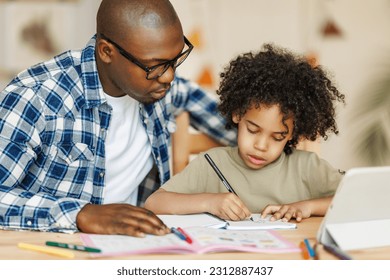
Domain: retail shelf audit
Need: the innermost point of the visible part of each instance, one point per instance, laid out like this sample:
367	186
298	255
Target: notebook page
259	223
193	220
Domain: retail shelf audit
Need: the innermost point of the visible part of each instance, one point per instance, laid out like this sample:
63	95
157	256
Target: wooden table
306	229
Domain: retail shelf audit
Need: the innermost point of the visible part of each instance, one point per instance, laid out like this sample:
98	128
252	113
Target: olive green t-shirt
299	176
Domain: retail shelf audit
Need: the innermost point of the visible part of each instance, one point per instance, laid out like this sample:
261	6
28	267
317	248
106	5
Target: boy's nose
261	144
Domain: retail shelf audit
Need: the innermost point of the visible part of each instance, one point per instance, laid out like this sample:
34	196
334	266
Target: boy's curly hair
275	76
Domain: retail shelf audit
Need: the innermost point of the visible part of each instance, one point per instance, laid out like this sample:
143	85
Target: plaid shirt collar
93	89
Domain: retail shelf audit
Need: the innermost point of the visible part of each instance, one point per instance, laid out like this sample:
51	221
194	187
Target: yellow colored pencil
47	250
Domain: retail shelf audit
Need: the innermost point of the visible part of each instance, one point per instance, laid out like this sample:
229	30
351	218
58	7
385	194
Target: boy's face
261	136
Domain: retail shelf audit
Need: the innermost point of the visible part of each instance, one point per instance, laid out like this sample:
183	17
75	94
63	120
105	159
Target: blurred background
349	38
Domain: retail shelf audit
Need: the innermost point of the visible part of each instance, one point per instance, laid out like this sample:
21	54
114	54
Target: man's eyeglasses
156	71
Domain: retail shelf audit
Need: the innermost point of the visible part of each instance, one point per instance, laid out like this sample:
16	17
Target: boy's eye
252	131
279	139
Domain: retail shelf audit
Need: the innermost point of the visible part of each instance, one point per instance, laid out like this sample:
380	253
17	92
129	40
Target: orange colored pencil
305	252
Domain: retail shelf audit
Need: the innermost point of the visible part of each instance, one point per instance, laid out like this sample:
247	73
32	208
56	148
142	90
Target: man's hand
123	219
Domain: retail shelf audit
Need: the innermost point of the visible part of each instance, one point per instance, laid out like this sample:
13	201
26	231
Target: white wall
354	59
235	26
70	26
232	27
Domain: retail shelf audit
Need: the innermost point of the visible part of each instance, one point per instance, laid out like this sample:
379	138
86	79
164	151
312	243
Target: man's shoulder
67	66
53	69
181	85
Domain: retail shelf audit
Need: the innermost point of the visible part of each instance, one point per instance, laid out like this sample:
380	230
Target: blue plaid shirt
53	124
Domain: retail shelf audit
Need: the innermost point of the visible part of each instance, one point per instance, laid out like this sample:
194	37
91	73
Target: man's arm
24	203
61	203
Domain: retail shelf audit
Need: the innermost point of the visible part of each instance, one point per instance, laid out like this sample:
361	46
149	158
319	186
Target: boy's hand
298	211
228	206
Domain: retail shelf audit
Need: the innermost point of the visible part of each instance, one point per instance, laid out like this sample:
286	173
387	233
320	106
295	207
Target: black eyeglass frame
148	70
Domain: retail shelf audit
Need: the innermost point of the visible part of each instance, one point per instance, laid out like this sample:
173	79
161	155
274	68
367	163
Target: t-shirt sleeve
324	178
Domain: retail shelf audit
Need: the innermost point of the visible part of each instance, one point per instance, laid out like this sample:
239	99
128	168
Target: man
84	137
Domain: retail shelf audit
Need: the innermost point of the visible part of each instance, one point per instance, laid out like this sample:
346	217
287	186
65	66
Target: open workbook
208	220
204	240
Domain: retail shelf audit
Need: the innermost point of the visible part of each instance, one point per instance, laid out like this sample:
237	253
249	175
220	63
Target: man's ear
104	51
235	118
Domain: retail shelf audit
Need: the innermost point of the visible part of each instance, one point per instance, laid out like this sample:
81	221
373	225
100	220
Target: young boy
275	99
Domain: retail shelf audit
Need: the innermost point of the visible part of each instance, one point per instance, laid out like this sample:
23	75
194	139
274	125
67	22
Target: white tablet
359	215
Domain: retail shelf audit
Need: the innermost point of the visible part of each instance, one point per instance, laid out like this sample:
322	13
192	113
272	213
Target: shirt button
171	127
101	174
29	223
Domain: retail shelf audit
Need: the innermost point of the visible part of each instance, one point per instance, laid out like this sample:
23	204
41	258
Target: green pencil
73	247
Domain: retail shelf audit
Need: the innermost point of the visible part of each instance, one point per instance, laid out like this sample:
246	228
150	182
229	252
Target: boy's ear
235	118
